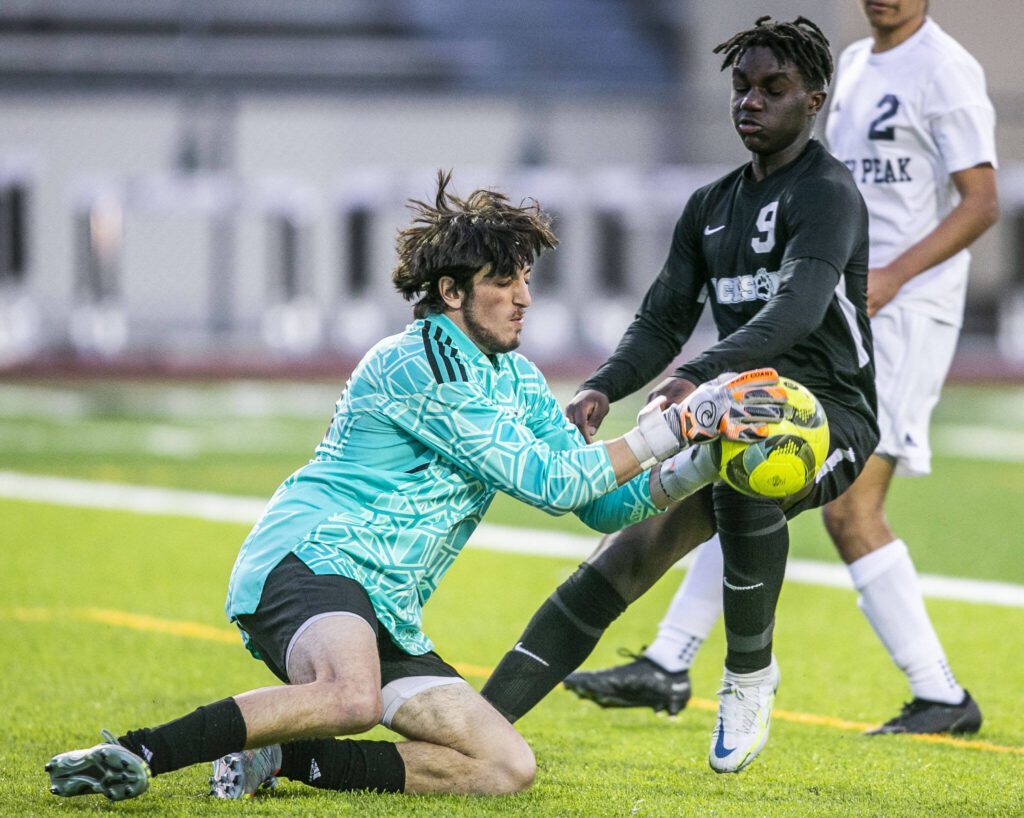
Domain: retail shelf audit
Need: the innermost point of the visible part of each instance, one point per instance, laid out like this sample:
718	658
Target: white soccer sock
754	678
693	612
891	599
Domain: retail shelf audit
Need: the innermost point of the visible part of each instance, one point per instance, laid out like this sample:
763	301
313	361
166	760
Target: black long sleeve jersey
783	262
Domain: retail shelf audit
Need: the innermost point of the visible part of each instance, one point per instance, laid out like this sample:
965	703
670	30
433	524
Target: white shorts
913	353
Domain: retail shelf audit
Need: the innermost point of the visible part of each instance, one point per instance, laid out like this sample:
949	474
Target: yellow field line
196	630
803	718
142	622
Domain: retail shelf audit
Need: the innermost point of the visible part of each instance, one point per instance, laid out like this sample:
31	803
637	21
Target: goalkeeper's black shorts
294	597
852	440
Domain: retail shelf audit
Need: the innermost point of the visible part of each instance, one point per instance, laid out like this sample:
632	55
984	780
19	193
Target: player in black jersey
779	247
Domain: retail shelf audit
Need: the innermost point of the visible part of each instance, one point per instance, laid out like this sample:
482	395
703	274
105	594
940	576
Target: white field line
245	510
978	443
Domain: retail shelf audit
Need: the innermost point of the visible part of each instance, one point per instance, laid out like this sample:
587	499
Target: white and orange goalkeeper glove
736	407
740	407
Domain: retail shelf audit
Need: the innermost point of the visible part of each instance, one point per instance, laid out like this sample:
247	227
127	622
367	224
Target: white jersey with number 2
902	121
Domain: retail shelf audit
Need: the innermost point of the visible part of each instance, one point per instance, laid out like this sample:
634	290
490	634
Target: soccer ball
787	460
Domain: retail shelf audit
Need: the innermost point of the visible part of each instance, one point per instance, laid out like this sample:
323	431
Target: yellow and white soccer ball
788	459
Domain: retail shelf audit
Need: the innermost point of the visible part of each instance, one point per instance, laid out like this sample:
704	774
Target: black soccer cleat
105	769
640	683
923	716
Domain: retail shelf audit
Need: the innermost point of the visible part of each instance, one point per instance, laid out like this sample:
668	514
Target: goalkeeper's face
492	310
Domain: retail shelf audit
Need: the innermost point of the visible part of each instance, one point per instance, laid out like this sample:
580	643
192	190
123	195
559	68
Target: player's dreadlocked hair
801	43
456	237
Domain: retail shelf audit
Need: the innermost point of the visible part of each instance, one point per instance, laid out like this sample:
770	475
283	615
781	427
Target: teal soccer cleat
106	769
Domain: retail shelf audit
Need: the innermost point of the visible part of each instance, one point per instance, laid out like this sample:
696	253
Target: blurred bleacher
161	45
326	45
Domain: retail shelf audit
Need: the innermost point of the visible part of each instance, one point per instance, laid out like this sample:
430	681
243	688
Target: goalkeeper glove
737	407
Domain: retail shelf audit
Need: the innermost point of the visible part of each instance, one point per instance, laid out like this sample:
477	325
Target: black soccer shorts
293	596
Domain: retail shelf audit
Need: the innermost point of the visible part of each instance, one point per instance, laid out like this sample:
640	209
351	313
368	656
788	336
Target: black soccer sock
205	734
344	764
558	638
755	544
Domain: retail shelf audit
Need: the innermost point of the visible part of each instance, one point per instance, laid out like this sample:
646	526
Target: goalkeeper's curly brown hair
456	237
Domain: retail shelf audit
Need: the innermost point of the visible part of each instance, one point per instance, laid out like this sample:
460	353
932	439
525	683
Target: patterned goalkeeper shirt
427	430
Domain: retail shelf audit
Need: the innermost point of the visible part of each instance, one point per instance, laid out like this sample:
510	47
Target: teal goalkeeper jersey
425	433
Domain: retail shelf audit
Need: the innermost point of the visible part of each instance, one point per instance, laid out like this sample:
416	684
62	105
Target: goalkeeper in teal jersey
329	585
427	430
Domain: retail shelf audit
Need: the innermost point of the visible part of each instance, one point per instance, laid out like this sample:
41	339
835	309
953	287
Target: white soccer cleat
744	716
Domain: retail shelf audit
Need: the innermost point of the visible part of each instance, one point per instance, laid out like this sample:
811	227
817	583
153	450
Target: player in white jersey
910	117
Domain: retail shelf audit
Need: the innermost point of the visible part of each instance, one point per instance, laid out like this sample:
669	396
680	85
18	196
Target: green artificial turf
67	674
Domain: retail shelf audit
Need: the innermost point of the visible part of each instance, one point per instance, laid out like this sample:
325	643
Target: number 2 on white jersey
891	104
766	225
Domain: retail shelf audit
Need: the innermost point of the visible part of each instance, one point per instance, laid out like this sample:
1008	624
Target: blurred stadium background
214	185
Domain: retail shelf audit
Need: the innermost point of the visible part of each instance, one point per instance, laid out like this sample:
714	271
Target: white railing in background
182	264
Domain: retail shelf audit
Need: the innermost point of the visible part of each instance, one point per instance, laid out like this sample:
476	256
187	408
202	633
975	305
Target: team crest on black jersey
760	286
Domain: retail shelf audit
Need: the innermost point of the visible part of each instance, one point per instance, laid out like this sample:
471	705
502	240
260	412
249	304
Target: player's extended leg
890	597
569	624
660	677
